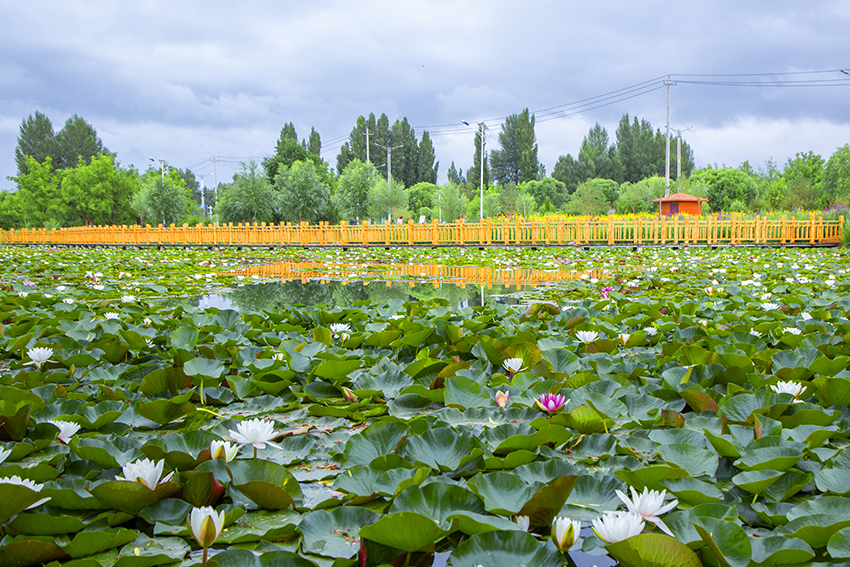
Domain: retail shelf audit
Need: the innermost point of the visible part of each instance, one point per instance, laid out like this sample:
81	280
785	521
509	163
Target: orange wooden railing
514	232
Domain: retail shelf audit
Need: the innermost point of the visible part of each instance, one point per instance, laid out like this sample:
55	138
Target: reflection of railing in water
491	232
416	273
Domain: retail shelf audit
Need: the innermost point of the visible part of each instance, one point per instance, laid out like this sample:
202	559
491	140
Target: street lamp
162	164
481	128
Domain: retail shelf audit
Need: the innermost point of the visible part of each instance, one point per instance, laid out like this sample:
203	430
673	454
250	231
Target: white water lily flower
805	316
145	472
587	336
793	388
278	356
40	356
147	321
617	526
205	524
769	306
649	504
22	294
565	532
68	300
755	333
67	429
4	453
651	331
111	315
791	330
256	432
128	298
223	450
512	365
337	328
624	337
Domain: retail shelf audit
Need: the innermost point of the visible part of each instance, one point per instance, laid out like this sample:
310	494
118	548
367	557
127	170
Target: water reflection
272	295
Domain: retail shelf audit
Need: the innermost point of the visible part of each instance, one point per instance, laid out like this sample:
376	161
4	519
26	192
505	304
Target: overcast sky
185	81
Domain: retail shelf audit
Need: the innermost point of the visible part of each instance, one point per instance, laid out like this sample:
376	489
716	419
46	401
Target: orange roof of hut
680	203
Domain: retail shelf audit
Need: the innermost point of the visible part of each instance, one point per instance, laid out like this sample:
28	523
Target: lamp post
481	128
162	164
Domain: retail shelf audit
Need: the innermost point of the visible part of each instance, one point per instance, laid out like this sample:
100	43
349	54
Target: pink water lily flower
551	402
502	398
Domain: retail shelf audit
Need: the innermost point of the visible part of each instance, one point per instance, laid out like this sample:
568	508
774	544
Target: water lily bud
503	399
205	525
565	532
349	395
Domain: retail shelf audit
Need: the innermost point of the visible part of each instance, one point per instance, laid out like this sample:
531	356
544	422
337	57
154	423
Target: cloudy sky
185	81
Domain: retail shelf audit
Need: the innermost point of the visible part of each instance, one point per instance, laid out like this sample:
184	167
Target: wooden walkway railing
516	232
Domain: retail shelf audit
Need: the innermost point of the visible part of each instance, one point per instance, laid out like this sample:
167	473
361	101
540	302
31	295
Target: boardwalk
683	230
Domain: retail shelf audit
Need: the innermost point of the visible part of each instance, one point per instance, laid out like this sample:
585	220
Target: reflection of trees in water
262	296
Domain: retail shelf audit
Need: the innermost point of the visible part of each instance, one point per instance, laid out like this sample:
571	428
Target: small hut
678	203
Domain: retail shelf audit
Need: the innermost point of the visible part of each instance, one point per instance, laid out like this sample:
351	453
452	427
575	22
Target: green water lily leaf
24	551
152	552
16	498
727	542
815	530
366	481
652	550
442	449
650	476
502	493
267	484
95	541
335	533
437	501
756	481
131	497
246	558
463	393
781	551
838	545
38	523
548	501
769	458
504	548
696	461
336	370
406	531
692	491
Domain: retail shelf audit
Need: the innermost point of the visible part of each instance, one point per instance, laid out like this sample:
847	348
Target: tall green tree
405	161
638	197
303	196
589	199
249	198
427	165
164	200
727	188
39	194
456	175
354	188
597	155
36	140
802	176
99	192
516	162
836	177
78	139
570	172
452	203
314	144
387	200
641	152
547	189
422	196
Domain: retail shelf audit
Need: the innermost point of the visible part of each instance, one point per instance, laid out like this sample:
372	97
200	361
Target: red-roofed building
679	203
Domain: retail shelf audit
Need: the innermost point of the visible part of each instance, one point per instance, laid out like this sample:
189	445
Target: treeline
69	178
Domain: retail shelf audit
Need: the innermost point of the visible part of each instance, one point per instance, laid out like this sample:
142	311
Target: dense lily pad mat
389	442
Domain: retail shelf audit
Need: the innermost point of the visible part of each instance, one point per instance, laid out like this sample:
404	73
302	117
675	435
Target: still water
272	295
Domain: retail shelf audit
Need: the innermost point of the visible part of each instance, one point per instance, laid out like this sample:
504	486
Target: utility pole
679	153
389	168
367	144
481	128
215	191
669	83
